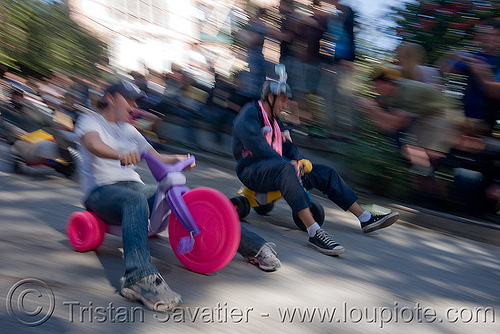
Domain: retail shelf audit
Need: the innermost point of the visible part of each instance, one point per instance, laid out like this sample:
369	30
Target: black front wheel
317	211
264	209
73	158
241	205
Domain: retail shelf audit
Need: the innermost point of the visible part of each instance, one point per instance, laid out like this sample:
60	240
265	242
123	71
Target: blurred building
156	33
140	33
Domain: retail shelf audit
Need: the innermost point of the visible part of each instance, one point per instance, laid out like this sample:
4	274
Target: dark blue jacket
248	136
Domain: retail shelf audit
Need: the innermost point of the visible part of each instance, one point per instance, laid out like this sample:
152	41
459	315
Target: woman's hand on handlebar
132	158
171	159
182	157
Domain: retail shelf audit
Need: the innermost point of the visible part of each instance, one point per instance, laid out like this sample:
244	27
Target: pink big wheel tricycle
204	229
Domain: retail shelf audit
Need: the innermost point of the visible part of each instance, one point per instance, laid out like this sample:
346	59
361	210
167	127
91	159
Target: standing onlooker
314	29
299	37
340	38
411	59
253	37
477	104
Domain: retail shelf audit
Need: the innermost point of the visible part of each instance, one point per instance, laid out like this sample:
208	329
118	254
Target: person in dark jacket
267	160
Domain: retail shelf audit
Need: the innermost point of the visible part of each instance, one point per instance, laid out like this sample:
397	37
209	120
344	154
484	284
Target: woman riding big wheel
118	196
204	229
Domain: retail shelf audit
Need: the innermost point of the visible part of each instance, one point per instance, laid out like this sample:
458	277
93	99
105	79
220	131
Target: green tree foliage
40	36
443	25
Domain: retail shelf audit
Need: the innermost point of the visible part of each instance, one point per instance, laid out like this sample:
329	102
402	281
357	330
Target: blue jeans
129	204
250	243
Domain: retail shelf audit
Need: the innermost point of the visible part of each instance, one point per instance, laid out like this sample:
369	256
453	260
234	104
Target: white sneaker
153	292
265	258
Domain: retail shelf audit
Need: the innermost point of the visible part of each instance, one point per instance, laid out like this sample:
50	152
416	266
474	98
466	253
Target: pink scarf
277	143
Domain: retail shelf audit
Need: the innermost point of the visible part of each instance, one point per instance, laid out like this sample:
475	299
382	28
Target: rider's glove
306	166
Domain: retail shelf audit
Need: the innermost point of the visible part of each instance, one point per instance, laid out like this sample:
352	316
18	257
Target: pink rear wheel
85	231
220	234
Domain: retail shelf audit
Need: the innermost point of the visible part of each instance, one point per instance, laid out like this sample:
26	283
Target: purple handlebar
159	169
174	197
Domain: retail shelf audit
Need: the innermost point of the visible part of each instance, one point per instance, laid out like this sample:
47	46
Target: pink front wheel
220	234
85	231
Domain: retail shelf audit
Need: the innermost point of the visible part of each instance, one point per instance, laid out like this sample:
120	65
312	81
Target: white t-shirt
123	137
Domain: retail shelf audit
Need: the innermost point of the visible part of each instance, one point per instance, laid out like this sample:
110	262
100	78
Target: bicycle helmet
276	87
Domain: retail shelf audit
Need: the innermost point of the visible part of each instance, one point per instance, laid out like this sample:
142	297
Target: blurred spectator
147	124
476	171
341	31
297	35
51	93
3	70
227	100
313	28
340	45
478	103
422	109
140	81
3	84
483	72
253	38
301	54
293	50
173	90
70	106
17	99
183	102
411	59
200	67
233	98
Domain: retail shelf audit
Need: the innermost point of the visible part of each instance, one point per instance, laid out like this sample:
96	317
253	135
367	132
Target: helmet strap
271	105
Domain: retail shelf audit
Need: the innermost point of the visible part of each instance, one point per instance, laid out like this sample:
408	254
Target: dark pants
272	175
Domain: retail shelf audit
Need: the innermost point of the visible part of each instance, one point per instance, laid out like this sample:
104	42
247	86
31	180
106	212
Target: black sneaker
377	222
324	243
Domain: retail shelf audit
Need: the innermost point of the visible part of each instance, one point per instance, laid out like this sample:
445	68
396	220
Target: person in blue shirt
478	103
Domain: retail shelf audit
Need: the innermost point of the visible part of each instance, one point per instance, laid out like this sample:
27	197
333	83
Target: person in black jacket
267	160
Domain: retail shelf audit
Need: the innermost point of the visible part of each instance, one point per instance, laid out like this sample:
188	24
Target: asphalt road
402	279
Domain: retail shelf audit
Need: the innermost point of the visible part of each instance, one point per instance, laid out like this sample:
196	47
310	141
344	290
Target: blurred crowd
431	125
435	127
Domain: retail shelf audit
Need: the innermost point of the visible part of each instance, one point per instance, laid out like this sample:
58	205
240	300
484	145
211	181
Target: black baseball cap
127	89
